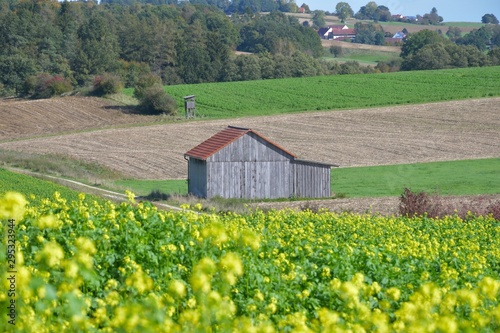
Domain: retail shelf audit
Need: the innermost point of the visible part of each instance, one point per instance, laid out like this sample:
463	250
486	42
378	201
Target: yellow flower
393	293
48	221
140	281
12	206
177	289
489	287
113	298
249	238
51	254
71	269
349	290
130	196
85	245
231	262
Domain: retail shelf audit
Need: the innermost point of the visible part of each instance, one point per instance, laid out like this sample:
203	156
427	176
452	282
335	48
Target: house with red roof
337	32
241	163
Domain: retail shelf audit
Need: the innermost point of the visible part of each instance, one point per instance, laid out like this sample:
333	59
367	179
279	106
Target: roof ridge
223	138
240	128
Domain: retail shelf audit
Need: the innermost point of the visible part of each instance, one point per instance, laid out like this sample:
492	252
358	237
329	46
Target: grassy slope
144	187
267	97
447	178
41	189
364	57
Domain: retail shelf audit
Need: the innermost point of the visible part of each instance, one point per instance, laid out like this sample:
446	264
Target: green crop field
144	187
79	267
267	97
446	178
34	189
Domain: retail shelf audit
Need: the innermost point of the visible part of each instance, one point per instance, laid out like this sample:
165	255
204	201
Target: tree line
48	48
68	44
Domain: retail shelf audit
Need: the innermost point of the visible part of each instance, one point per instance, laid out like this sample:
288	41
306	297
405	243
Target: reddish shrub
45	86
107	84
417	204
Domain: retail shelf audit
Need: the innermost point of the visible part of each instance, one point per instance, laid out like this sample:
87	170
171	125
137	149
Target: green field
364	57
446	178
144	187
41	189
267	97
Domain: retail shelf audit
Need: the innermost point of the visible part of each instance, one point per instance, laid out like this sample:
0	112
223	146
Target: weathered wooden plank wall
310	180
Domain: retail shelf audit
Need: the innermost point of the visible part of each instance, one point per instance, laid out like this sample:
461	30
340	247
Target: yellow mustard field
84	266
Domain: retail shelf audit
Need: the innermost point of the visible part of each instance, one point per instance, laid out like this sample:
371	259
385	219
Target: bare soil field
455	130
29	118
386	206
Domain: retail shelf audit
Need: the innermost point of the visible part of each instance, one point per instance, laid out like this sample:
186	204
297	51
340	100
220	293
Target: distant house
338	32
240	163
396	39
399	34
397	17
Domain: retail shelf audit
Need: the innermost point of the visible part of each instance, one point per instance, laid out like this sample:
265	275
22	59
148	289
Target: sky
450	10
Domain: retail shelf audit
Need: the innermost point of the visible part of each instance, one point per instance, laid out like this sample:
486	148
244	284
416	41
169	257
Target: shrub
494	210
144	82
336	50
45	86
156	101
421	203
107	84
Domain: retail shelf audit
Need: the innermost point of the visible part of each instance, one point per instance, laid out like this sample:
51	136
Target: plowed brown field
28	118
404	134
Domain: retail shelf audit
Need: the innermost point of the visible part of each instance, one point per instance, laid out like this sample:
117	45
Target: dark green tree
432	17
454	33
367	12
344	11
489	19
431	56
319	18
412	43
97	50
369	33
494	56
156	101
480	38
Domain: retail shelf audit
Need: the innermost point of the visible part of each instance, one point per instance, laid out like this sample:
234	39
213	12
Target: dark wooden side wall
197	177
310	179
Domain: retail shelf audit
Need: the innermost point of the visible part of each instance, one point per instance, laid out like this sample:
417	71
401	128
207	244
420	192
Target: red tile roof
343	32
222	139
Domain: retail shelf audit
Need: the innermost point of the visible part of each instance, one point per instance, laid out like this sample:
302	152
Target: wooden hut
240	163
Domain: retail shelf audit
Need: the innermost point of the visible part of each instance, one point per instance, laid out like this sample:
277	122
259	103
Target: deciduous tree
489	18
343	11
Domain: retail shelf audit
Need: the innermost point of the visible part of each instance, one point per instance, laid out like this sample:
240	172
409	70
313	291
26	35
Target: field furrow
391	135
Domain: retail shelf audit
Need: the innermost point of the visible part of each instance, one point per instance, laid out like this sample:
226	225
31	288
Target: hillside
29	118
394	27
385	135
